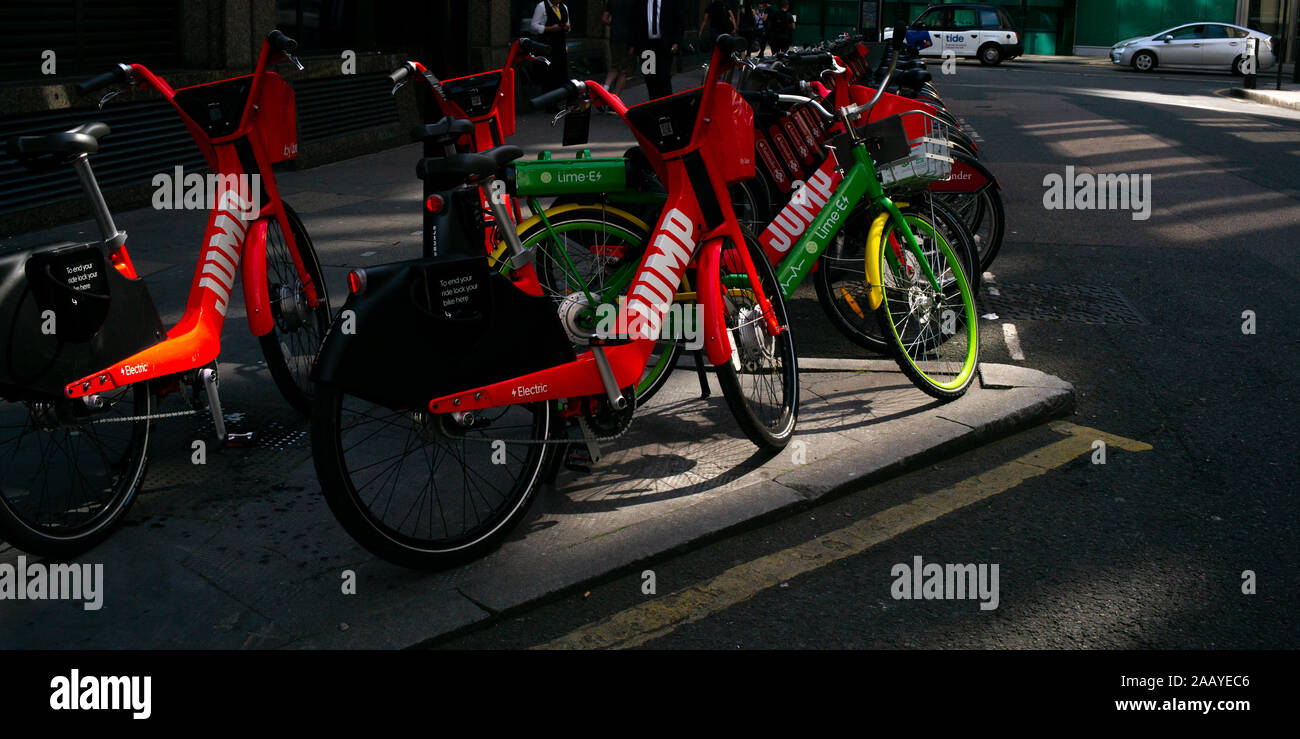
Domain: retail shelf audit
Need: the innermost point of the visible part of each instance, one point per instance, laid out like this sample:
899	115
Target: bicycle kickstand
704	378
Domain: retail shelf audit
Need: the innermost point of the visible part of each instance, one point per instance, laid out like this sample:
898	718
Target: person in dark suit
657	28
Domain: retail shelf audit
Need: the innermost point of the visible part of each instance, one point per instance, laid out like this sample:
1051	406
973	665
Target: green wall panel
1103	22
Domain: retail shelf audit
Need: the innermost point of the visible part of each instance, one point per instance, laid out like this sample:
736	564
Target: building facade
346	113
1090	27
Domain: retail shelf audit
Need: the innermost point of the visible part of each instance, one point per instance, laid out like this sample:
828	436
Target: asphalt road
1145	317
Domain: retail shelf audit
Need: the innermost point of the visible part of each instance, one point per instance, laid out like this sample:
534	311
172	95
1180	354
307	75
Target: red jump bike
84	356
440	406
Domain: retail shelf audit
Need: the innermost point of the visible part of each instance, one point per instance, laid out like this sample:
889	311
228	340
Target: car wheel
991	55
1144	61
1236	67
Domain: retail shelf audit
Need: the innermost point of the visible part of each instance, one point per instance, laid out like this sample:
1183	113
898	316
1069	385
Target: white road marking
1013	341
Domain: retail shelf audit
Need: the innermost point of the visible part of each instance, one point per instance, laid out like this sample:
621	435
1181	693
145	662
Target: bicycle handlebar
896	41
731	44
280	42
401	74
127	74
554	97
819	58
802	100
536	48
121	73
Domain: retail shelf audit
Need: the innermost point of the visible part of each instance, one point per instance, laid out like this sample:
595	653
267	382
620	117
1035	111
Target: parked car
1194	46
982	32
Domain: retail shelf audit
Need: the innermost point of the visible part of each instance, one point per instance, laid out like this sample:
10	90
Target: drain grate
1090	304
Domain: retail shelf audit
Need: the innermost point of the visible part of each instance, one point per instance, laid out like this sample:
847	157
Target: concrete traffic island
243	552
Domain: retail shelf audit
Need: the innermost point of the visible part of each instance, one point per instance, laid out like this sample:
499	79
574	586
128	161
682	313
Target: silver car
1220	46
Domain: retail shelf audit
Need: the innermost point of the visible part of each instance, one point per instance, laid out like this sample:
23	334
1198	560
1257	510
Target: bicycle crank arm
208	376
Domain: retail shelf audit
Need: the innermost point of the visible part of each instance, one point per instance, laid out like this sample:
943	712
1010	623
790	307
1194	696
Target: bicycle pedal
236	440
578	460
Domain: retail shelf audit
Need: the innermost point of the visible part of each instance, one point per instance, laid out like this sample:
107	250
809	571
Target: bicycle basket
477	95
667	122
65	312
216	107
929	157
734	155
276	124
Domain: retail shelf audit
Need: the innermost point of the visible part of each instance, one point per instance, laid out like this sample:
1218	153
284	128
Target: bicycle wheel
842	290
983	215
761	382
603	247
933	333
70	471
751	202
290	346
422	490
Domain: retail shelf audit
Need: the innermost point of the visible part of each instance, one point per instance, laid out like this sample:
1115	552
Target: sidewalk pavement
1267	93
1096	61
242	552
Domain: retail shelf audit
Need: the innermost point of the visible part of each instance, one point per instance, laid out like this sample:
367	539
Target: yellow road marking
653	619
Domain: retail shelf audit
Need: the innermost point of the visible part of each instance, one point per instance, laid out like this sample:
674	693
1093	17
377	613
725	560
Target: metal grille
1091	304
334	106
147	138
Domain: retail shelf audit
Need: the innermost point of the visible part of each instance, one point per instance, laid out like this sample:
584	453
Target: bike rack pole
1248	81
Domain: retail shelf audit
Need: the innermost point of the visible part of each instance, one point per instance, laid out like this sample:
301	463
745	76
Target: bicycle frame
493	122
795	261
681	237
860	183
228	240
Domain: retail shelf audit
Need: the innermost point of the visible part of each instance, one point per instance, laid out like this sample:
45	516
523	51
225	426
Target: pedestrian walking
657	29
716	20
747	25
618	43
780	27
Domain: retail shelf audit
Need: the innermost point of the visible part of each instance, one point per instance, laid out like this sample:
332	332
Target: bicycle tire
752	348
911	302
298	329
125	472
342	457
842	290
982	212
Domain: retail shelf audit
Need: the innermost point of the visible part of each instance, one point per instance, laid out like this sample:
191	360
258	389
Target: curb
1276	98
1013	399
1100	61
